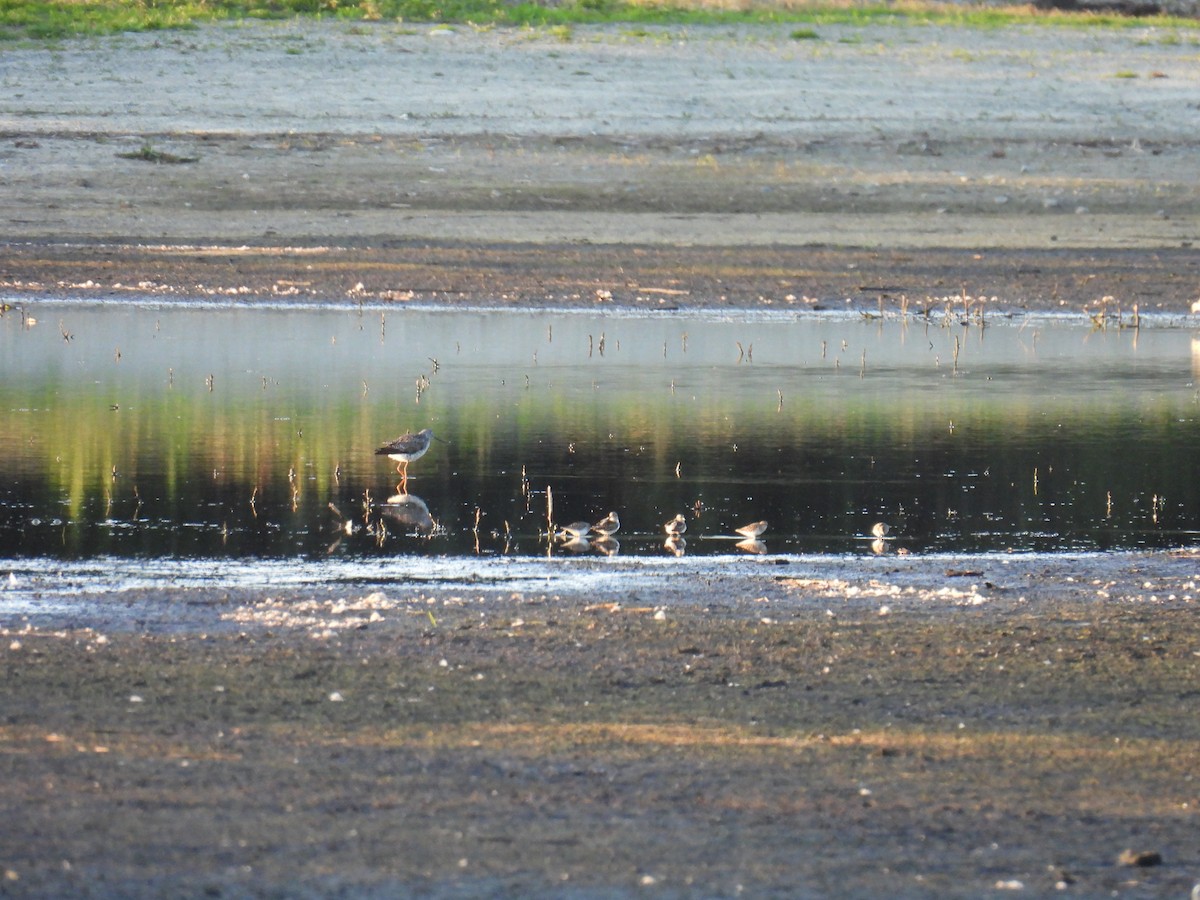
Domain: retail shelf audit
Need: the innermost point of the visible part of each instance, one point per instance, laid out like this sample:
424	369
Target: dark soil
552	746
525	275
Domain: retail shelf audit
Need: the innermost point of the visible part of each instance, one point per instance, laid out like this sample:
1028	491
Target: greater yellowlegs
609	525
404	450
753	530
676	526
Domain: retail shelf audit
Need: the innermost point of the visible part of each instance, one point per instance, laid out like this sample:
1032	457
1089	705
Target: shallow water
217	432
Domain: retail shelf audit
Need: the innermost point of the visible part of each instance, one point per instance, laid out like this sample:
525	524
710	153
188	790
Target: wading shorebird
676	526
576	531
753	530
404	450
609	525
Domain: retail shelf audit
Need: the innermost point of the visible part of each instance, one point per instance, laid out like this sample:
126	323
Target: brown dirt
776	739
644	276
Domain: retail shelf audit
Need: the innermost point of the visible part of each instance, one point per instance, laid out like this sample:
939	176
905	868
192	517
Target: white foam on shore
203	595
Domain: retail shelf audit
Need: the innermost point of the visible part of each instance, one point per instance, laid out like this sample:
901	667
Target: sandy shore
898	728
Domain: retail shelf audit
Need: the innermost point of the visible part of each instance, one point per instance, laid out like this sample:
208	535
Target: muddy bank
591	277
700	166
768	736
913	728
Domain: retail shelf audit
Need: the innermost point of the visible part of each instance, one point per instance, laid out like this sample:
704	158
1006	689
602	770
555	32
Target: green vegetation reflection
202	432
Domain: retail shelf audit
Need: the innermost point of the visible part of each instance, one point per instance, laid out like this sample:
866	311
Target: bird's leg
403	470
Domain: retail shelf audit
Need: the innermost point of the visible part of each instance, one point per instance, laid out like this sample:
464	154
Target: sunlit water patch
222	433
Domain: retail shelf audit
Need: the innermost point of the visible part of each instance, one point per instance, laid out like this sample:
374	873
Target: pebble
1140	858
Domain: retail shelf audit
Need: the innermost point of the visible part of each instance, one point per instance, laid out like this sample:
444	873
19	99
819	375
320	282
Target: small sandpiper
676	526
753	530
575	531
609	525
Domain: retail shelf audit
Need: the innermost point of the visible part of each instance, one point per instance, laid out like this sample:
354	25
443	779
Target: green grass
54	19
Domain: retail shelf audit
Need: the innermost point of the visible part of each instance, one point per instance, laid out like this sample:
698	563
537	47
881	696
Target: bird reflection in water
581	543
402	513
675	543
577	537
409	512
880	532
575	544
750	534
345	527
606	545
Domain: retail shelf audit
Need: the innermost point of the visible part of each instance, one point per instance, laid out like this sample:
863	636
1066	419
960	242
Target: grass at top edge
58	19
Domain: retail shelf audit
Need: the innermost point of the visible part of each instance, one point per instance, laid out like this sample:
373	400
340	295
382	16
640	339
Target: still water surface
200	433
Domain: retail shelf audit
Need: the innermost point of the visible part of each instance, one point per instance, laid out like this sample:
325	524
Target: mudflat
908	727
682	167
887	727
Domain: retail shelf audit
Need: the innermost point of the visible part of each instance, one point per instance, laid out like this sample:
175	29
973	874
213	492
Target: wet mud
931	732
454	274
